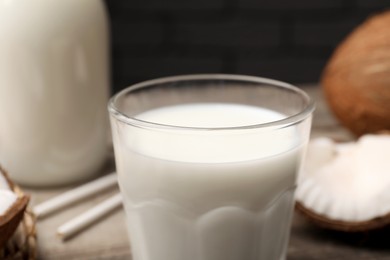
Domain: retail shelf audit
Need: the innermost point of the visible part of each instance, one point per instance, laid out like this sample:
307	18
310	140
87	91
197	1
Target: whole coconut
356	80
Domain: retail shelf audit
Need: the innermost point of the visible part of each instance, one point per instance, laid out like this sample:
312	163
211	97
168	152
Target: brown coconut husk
338	225
23	244
356	80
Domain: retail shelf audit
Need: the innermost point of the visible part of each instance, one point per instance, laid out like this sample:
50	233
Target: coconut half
13	203
346	186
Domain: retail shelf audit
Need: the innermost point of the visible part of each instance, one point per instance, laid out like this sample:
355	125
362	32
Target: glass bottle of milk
54	86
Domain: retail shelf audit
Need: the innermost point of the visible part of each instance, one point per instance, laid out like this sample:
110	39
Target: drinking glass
207	165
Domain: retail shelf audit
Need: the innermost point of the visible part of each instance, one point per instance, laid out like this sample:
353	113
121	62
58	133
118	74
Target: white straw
75	195
76	224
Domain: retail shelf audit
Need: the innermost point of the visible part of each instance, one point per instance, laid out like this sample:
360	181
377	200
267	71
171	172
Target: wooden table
108	239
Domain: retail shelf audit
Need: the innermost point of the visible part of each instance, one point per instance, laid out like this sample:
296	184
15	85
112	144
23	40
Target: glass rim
289	120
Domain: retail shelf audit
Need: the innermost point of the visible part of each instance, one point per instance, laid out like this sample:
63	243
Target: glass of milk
207	165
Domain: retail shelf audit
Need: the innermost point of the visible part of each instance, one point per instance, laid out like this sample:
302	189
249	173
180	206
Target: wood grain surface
107	239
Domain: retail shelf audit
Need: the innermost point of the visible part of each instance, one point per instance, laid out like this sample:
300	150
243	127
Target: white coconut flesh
347	181
7	197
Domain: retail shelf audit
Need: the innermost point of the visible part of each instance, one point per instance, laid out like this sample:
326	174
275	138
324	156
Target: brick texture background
282	39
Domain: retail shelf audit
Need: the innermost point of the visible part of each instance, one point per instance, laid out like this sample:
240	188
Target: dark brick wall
289	40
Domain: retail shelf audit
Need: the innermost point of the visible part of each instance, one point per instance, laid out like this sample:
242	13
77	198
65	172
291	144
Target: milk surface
208	194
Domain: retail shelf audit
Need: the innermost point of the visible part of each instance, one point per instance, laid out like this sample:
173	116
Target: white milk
208	195
53	89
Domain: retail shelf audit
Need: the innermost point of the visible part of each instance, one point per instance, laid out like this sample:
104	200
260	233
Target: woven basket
23	244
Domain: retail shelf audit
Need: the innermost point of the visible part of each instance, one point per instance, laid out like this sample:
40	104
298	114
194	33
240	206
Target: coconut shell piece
356	80
344	185
13	216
